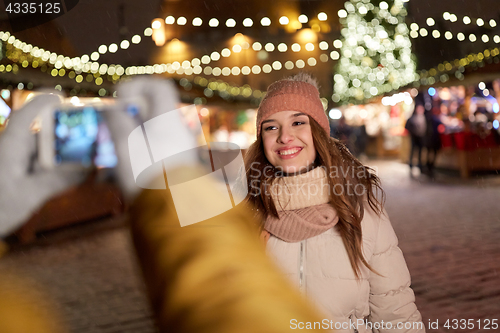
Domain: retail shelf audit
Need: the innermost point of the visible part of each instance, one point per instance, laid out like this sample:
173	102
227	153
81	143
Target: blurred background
374	60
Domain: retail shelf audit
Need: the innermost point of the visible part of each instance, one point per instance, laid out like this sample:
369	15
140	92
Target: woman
322	220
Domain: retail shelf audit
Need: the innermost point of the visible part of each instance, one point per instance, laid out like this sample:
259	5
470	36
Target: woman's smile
288	153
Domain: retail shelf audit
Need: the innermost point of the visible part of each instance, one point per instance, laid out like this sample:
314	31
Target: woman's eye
269	128
296	123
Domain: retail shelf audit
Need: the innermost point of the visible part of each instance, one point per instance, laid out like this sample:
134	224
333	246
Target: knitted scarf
303	207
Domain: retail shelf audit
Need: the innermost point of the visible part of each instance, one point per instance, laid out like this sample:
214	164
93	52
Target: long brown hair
350	206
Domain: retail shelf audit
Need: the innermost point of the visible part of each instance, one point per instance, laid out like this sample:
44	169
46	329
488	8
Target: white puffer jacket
320	267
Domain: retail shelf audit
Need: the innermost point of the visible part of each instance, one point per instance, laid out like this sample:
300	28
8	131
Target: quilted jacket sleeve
212	276
391	298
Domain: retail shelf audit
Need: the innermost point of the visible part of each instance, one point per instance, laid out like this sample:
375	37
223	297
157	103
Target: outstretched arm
212	276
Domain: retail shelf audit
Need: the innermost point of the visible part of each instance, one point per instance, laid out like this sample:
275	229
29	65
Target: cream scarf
303	207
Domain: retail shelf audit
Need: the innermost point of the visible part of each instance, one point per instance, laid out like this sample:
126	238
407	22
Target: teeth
288	152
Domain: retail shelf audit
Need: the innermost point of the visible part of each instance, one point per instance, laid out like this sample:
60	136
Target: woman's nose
285	135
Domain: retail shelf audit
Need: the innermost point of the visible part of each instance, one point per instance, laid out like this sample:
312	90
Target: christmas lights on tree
376	55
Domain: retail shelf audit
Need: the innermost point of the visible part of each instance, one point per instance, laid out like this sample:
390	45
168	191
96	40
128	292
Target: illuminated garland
225	90
76	68
59	65
197	22
442	71
417	31
422	32
16	48
447	16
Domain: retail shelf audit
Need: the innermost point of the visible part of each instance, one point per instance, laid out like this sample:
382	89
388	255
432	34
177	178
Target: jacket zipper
302	273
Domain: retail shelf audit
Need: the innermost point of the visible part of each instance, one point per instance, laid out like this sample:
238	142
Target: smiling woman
322	213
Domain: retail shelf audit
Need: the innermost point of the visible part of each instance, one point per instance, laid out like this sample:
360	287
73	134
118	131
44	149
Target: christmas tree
376	55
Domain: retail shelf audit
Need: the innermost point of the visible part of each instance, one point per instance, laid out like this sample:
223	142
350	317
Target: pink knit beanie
289	95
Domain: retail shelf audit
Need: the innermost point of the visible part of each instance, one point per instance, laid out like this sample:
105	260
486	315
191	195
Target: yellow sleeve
212	276
25	307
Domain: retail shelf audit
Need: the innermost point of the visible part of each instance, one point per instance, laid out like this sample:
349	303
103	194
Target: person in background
344	133
361	141
322	215
432	138
417	127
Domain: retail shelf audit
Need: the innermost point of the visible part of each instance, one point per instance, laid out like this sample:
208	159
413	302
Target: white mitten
22	192
166	130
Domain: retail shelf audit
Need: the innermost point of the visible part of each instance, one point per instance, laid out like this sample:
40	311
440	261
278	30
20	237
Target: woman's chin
293	169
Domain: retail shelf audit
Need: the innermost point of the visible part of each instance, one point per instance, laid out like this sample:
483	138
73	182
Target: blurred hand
22	191
153	97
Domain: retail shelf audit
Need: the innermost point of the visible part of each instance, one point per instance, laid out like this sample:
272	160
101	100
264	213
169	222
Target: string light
323	45
257	46
181	20
282	47
136	39
269	47
284	20
170	20
213	22
113	48
265	22
197	22
215	56
124	44
247	22
322	16
156	24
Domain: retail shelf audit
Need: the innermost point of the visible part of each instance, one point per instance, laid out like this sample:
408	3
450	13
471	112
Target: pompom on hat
291	95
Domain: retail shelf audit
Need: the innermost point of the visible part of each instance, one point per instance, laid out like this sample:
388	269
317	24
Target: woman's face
288	142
